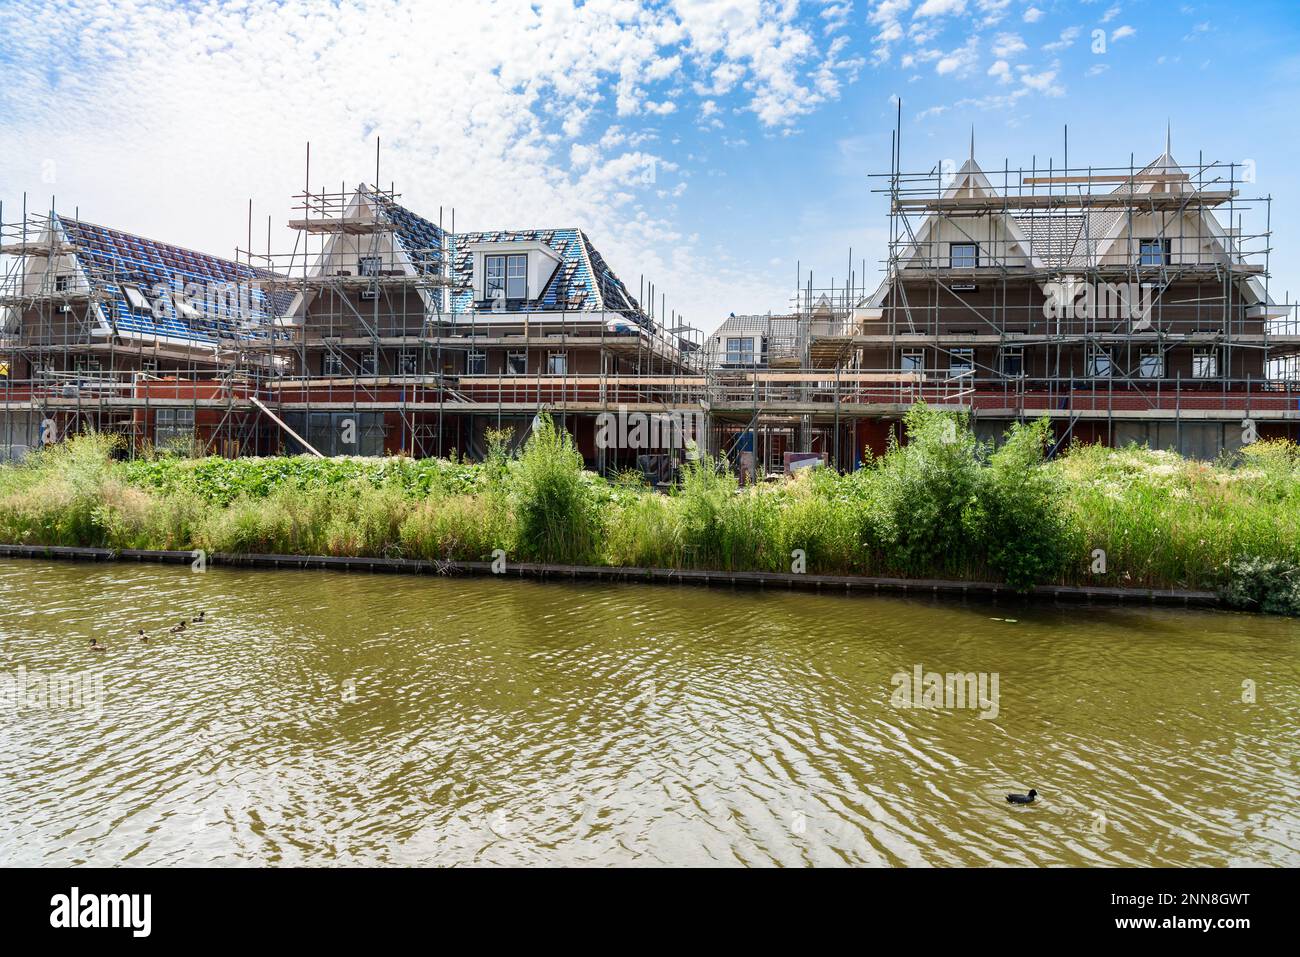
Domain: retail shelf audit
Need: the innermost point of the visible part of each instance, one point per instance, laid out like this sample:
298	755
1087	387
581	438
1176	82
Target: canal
321	718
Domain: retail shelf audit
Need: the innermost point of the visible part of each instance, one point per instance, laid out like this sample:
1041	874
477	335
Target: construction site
1128	303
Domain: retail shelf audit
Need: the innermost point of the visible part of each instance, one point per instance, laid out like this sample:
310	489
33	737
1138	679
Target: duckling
198	620
177	628
96	646
1022	798
141	636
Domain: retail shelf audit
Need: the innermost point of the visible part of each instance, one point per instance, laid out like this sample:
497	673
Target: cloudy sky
714	146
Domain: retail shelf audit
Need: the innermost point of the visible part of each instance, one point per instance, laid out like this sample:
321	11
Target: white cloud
1032	15
1066	39
1121	32
1007	45
1001	70
959	60
1110	14
940	8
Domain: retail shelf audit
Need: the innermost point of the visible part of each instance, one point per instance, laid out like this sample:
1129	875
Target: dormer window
505	276
1153	252
963	255
368	265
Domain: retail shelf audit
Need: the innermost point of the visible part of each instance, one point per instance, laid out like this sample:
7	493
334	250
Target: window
1098	362
368	265
494	273
333	365
516	277
407	363
740	350
1151	364
149	365
137	299
1205	363
913	360
963	255
87	365
369	364
173	424
516	363
557	363
61	283
1153	252
1013	362
961	361
476	363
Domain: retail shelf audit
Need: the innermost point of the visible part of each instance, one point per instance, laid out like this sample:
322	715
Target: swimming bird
199	619
96	646
178	627
1022	798
142	636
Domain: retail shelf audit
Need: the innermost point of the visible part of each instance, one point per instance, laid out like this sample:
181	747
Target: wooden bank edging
847	584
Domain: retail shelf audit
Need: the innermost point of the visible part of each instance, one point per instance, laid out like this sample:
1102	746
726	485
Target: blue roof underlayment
111	259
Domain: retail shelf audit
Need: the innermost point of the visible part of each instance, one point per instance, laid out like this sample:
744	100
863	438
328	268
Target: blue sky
708	144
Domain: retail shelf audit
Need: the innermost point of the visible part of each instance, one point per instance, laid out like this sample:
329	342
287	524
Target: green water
321	718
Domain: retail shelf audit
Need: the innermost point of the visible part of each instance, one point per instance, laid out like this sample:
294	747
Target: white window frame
740	350
1205	363
369	364
369	265
332	365
517	276
173	423
476	362
557	363
1018	352
494	276
408	363
912	360
137	299
511	357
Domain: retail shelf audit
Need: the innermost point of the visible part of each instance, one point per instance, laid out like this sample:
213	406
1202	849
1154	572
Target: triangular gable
970	182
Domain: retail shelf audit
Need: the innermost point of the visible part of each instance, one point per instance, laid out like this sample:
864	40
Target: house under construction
1127	304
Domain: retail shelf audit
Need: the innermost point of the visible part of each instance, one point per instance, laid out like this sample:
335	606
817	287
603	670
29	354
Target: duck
96	646
178	627
1022	798
141	636
198	619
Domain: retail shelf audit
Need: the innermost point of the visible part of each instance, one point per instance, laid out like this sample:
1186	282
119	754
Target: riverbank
943	507
837	584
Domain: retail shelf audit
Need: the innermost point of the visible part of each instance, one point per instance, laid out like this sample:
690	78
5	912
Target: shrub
556	515
1257	584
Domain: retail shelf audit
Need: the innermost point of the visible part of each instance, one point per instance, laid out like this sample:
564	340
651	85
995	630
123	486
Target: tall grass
939	504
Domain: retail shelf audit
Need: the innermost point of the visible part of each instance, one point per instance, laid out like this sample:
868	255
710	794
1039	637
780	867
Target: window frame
408	363
516	283
369	266
914	354
476	356
1165	247
1199	355
332	366
491	283
1096	353
1144	372
511	356
736	355
953	365
550	363
974	256
1016	352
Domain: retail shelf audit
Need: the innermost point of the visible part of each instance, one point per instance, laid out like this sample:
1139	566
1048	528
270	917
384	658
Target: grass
941	505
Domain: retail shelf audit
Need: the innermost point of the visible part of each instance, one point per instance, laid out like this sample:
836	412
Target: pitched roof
112	260
583	281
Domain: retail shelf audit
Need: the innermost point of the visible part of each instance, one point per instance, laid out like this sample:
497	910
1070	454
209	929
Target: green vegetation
941	505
